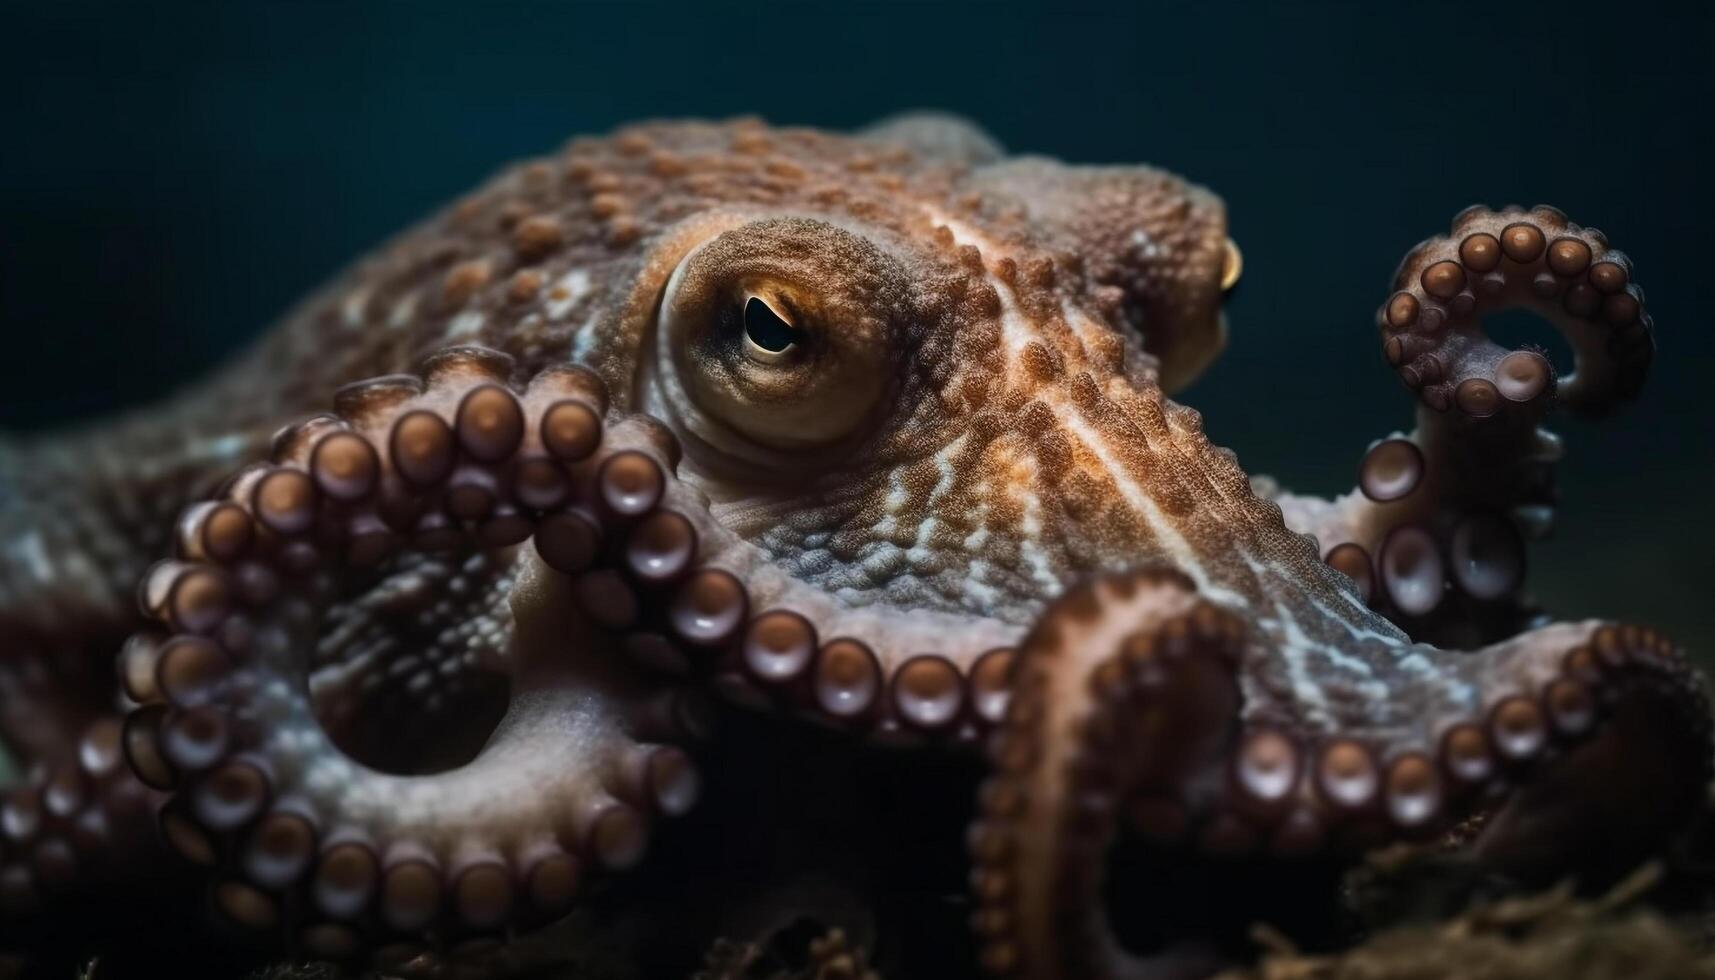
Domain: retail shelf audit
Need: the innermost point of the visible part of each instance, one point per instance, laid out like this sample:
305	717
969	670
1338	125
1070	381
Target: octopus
417	630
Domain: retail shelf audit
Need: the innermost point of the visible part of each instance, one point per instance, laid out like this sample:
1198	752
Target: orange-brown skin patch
563	258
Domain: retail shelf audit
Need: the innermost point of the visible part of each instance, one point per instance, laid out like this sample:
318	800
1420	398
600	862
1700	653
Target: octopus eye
1232	265
769	336
775	335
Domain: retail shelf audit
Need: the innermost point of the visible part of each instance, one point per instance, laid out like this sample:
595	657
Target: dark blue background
172	177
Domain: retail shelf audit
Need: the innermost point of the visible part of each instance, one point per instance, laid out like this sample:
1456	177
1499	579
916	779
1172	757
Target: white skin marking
1030	523
403	312
1087	329
1176	545
567	292
897	495
979	535
881	561
1411	662
1148	247
355	308
1016	330
978	589
920	553
944	464
1295	648
1336	658
1359	634
220	448
466	323
1407	659
585	339
1351	597
30	552
1305	689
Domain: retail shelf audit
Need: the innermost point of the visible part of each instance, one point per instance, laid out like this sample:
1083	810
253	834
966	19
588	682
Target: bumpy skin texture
872	429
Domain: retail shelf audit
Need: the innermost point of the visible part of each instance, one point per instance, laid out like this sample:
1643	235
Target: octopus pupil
766	329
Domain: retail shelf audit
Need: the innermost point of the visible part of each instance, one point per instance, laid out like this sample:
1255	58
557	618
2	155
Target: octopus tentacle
301	839
1124	682
1566	273
71	828
780	662
1434	532
712	607
1138	708
1556	706
690	598
76	840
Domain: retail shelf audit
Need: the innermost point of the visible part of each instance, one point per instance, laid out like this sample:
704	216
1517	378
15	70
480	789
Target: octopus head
924	419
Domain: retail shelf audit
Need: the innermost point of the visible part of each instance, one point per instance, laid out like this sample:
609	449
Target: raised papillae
409	636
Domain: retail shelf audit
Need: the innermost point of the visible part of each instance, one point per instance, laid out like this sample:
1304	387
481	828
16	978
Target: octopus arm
1144	711
305	843
1433	534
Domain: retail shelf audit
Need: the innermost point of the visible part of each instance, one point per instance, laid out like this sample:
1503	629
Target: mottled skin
859	410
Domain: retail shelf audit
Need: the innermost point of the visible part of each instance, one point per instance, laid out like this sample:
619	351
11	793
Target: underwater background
173	176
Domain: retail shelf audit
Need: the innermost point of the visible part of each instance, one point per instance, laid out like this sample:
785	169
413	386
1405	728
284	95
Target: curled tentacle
1434	533
263	654
305	842
1140	708
1538	259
